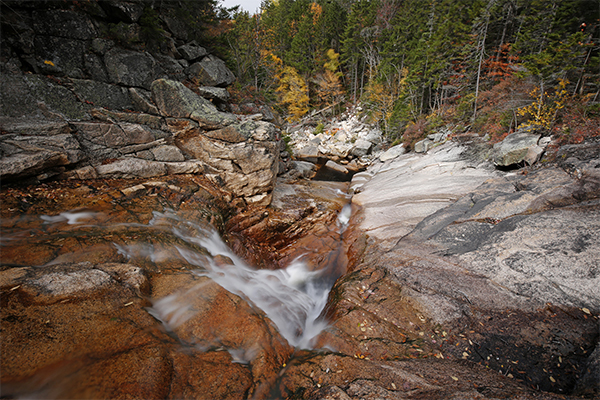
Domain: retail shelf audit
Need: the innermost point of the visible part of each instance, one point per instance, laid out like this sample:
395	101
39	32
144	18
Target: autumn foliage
488	67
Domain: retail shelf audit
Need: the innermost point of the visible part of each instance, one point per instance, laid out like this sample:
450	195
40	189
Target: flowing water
293	297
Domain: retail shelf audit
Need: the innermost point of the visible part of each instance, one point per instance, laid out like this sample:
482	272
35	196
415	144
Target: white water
293	298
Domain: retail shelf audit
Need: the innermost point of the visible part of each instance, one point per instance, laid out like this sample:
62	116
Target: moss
288	148
319	129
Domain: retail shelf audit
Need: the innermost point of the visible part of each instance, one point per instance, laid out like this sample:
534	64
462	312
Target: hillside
488	67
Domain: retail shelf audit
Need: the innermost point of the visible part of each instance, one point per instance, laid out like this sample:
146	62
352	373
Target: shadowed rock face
87	94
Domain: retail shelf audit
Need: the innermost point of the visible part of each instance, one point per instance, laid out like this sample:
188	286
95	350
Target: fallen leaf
455	378
585	310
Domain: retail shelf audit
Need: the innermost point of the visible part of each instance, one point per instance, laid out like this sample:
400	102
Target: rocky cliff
119	89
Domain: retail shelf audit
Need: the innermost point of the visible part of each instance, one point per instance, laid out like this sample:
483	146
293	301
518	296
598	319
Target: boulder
59	56
39	148
192	51
171	68
100	46
167	153
175	24
246	168
131	168
125	11
335	149
102	94
267	112
55	98
17	98
423	145
361	148
332	165
307	153
173	99
131	68
392	153
63	24
305	169
241	132
214	93
211	71
518	147
142	101
113	135
94	67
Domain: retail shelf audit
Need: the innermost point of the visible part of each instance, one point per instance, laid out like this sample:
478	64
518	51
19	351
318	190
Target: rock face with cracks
436	312
493	268
82	98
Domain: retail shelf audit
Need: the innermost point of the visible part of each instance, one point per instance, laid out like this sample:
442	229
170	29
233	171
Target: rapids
293	297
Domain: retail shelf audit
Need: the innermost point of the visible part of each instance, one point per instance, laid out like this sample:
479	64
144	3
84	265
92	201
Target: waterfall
293	297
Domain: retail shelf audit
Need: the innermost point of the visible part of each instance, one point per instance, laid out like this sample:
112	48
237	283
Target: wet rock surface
77	283
425	314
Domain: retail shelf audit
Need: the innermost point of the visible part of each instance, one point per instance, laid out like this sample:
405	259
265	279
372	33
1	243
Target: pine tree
362	15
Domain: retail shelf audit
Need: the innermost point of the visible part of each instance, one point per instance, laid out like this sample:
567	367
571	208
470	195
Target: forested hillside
485	66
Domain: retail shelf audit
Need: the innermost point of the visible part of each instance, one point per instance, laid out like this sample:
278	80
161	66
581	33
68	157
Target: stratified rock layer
88	93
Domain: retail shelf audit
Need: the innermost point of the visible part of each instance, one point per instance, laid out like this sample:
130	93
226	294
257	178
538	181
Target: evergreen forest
484	66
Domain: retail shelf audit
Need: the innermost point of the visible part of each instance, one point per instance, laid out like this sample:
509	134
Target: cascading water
293	298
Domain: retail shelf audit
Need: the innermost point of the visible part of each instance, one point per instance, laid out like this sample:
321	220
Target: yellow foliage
48	62
316	11
329	86
541	113
294	93
334	63
380	100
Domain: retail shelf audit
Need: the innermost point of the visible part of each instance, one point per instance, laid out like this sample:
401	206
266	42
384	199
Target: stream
164	289
293	297
59	241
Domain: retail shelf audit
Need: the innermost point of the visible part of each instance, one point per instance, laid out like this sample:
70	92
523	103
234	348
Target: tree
362	15
329	85
293	93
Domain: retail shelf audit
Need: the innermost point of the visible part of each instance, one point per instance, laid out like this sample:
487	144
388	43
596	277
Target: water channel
164	233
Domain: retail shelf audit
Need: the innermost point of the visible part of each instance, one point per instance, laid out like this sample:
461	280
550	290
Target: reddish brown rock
205	316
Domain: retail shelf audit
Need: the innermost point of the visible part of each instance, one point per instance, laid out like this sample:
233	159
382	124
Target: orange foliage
500	64
316	11
414	132
577	122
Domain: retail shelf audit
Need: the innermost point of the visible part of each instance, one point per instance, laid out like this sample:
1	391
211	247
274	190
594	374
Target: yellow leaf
49	62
